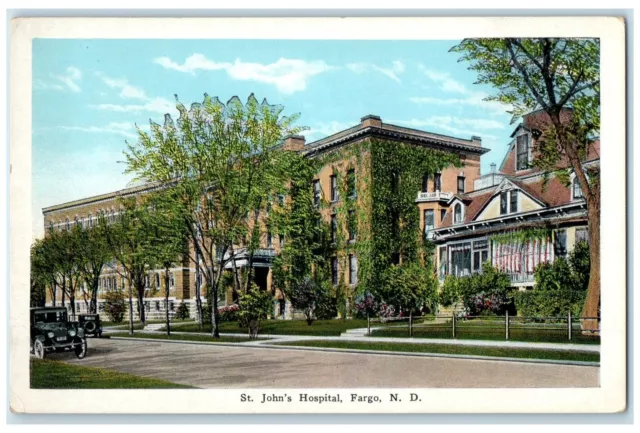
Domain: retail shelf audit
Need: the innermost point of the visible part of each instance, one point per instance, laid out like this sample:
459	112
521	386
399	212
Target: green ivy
521	236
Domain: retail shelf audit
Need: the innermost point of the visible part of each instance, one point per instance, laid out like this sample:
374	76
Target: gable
492	209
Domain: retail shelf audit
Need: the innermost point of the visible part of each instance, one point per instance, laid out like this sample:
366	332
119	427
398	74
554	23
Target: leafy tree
40	273
183	311
94	254
449	292
255	305
223	159
410	287
114	305
130	241
70	260
552	75
308	296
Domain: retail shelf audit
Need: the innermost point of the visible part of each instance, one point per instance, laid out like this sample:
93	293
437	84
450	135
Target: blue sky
88	94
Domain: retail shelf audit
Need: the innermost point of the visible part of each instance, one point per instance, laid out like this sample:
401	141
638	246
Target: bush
115	305
449	292
255	305
366	306
183	311
229	313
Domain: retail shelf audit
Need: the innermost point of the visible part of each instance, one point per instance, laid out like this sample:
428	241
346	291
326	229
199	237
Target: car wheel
81	349
38	349
89	327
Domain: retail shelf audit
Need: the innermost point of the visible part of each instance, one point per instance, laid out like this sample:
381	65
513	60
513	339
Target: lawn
138	325
564	355
183	337
47	374
490	330
288	327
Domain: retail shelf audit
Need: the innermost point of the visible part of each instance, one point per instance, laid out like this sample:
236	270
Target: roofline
470	227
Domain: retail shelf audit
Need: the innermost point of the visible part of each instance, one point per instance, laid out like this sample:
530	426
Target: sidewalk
271	338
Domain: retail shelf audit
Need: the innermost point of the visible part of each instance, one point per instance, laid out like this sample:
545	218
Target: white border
610	397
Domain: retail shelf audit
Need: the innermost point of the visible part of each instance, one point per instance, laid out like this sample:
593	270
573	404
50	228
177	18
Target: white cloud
127	91
455	125
475	99
288	75
126	129
397	68
191	64
68	79
324	129
447	83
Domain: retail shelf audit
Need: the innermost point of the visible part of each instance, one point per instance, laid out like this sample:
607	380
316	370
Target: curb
373	352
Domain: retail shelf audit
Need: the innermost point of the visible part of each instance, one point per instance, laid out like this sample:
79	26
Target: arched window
457	213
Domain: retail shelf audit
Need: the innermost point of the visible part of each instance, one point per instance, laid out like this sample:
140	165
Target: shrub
183	311
486	292
449	293
255	305
115	305
366	306
310	297
229	313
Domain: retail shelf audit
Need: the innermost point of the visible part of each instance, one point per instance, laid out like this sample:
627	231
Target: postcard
318	215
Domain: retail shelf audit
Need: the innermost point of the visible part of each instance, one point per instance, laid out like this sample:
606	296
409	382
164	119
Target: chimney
293	142
371	120
476	141
493	167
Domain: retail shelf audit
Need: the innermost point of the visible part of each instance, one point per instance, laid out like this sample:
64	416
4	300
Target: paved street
210	366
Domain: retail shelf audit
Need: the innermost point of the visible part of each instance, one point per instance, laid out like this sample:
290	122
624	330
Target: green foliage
311	297
449	292
114	305
255	305
520	236
409	287
183	311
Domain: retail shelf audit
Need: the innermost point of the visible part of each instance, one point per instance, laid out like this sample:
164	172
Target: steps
358	332
154	327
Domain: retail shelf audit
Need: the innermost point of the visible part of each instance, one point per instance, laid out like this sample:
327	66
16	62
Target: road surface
211	366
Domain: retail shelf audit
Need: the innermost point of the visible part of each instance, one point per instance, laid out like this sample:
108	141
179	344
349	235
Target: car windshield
51	316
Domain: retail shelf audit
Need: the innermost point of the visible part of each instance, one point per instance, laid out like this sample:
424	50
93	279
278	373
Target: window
90	220
317	193
334	228
560	243
269	240
351	182
503	203
461	259
281	200
443	213
457	213
66	224
522	152
352	225
334	271
335	196
76	221
582	235
443	262
437	182
281	240
460	184
577	191
157	280
353	269
429	223
425	182
157	305
268	209
122	282
172	281
513	201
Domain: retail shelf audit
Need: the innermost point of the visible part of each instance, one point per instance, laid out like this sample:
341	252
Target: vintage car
51	331
91	324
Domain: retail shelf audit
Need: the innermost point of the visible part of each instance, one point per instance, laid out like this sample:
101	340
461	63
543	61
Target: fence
517	328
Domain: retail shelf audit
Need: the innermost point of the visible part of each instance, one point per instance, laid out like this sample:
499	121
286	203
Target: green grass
183	337
288	327
453	349
490	330
46	374
125	322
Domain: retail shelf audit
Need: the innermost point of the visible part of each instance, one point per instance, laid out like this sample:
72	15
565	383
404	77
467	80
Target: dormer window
509	202
457	213
523	152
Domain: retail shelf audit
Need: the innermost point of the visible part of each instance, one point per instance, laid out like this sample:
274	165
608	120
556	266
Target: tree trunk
54	292
141	307
93	306
591	309
215	282
166	297
64	289
130	308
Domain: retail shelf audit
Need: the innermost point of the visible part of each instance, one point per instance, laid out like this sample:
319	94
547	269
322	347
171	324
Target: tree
307	295
94	254
552	75
255	305
169	243
223	160
41	275
130	242
68	244
411	287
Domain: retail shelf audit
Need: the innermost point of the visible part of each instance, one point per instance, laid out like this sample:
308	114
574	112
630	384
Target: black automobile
51	331
91	324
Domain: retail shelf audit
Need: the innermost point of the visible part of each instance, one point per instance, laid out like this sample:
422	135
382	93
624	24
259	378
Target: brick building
433	202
